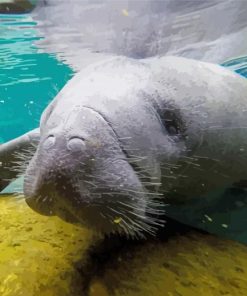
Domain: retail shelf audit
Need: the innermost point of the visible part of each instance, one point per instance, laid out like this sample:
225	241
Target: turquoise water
29	79
238	65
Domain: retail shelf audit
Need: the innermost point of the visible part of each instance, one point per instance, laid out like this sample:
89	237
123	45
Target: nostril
76	144
49	142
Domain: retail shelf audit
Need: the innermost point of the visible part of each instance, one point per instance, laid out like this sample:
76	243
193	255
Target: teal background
29	79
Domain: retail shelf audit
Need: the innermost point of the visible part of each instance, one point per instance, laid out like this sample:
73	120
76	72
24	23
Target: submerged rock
16	6
47	257
189	265
38	254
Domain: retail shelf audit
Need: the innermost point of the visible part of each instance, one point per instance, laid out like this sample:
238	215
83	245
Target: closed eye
173	122
172	127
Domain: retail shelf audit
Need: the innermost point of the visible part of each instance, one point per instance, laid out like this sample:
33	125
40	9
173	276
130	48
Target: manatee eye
172	127
173	121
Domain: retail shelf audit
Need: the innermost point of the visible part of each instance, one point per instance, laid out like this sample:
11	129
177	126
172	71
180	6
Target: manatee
125	138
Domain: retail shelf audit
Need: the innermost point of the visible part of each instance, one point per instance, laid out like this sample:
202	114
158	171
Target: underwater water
238	65
44	256
29	80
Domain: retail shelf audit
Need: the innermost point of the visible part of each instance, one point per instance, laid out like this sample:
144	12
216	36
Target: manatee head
80	173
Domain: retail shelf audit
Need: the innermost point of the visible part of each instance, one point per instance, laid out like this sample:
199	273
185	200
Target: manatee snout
71	178
52	175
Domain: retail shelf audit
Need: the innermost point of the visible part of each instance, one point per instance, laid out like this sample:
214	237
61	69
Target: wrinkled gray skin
124	137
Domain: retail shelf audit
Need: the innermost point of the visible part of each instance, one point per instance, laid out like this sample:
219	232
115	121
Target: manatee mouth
103	215
109	199
59	197
101	210
46	200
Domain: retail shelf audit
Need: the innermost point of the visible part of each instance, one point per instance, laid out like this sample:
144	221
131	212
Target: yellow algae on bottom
189	265
38	253
98	289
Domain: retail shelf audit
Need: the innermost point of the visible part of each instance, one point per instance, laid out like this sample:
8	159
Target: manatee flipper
10	153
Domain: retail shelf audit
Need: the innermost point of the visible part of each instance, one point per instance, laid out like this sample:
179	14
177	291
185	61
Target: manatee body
125	137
